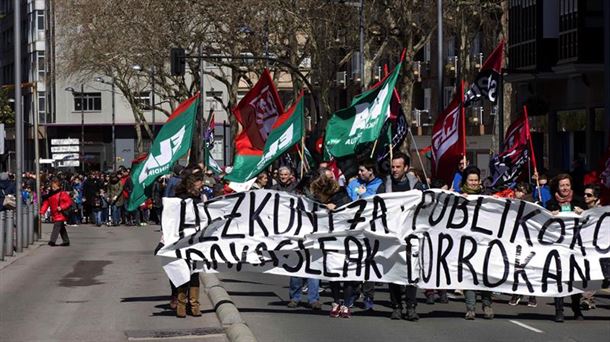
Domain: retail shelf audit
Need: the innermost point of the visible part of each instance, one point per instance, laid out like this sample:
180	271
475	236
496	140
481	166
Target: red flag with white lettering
257	112
449	138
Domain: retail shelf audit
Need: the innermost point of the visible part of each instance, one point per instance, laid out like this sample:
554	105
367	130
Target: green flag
362	121
210	162
287	131
172	142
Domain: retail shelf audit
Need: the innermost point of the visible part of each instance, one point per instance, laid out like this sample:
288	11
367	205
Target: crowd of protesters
100	199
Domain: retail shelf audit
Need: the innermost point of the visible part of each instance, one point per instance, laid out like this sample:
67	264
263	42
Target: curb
231	320
16	256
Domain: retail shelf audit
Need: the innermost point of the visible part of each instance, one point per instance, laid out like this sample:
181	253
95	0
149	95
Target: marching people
327	190
592	199
564	199
116	199
365	185
402	180
522	193
296	284
261	181
471	185
189	187
59	202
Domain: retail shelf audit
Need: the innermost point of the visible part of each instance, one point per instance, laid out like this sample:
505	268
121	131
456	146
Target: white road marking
526	326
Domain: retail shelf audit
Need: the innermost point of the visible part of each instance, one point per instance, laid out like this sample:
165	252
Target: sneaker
531	302
430	299
368	303
65	244
316	306
514	300
304	289
335	310
411	315
52	244
470	315
579	317
396	314
292	304
488	312
345	312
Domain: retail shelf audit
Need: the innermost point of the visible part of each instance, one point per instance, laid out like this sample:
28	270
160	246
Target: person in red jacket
59	202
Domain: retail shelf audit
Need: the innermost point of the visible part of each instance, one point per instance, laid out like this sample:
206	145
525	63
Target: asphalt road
107	286
261	300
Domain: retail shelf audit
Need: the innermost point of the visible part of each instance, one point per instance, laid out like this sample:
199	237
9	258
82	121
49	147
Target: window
450	46
89	102
427	52
447	96
427	98
143	100
210	99
41	65
40	20
42	107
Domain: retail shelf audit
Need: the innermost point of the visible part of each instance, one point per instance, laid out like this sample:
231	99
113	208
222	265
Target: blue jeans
97	213
296	285
116	214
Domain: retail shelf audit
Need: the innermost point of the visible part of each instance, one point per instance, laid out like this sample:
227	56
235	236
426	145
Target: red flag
257	112
507	166
449	138
486	83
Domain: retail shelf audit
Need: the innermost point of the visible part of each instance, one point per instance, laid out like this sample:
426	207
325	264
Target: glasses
588	195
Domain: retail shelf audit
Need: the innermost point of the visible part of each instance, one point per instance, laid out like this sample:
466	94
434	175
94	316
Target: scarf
471	191
564	200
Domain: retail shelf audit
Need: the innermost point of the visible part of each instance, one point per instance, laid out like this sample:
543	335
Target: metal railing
13	238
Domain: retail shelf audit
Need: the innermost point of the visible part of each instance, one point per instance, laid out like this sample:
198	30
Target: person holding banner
327	190
592	200
471	185
367	184
564	200
190	187
402	180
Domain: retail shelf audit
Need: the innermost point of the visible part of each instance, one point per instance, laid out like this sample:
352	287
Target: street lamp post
82	123
151	72
101	80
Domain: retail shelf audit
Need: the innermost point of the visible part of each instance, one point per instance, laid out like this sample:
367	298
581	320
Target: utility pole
18	114
439	64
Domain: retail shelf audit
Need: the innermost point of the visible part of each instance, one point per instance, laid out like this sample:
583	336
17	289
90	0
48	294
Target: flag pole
302	154
418	155
532	155
374	147
463	113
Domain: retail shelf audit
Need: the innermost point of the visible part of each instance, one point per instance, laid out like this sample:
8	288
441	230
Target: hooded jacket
59	201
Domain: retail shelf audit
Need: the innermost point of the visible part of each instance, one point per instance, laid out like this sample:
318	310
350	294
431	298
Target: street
107	286
261	300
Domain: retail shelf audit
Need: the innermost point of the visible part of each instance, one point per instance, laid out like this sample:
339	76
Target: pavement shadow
224	280
145	299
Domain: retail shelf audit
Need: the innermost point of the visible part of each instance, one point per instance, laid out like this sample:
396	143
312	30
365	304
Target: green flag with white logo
172	142
361	122
285	133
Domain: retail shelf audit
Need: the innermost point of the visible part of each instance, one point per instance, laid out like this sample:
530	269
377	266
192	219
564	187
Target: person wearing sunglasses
592	200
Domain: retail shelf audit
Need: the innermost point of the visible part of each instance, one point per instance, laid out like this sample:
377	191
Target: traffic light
178	61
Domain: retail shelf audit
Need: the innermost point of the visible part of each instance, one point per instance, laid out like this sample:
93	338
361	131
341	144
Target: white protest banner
433	239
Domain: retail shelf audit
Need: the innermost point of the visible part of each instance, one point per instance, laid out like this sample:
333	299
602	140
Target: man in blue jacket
367	184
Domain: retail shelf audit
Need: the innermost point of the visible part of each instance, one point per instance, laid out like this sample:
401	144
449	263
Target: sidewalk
107	286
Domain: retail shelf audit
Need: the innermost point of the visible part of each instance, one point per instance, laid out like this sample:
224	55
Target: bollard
2	232
10	238
24	231
18	235
31	225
